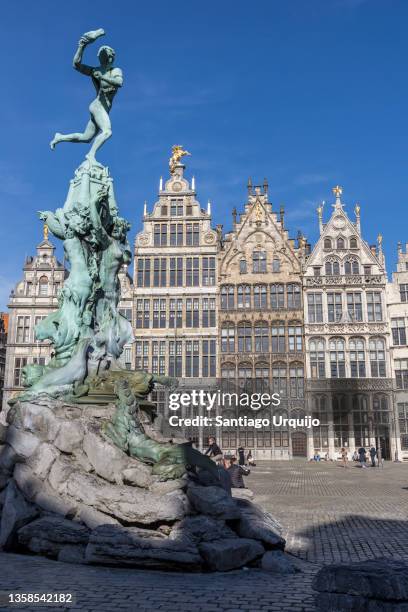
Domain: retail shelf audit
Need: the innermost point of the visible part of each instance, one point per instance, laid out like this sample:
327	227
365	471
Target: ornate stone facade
175	296
348	368
32	299
261	324
397	302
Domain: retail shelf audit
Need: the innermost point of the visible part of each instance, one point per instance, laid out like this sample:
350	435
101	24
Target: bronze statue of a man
107	79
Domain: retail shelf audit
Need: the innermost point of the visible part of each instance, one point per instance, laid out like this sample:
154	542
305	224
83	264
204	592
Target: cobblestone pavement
328	514
332	514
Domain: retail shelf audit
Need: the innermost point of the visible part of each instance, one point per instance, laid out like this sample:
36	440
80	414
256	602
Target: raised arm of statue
77	61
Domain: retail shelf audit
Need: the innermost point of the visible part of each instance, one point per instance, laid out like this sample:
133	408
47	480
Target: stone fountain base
68	493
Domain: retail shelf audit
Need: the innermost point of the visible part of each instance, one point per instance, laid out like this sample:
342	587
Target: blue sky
306	93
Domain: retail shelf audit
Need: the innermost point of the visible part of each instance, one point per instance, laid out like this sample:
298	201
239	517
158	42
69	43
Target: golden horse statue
177	153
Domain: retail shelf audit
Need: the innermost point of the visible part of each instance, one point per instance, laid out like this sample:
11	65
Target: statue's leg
102	121
86	136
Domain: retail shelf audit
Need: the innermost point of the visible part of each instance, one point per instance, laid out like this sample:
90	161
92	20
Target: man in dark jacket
237	472
362	456
241	455
213	449
373	454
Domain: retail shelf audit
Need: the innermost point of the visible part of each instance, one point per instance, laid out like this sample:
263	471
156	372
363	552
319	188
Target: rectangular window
208	271
156	315
401	373
278	338
295	338
315	307
19	363
208	312
192	358
23	329
176	234
175	358
176	207
334	307
399	336
143	272
354	306
209	358
374	308
277	296
404	292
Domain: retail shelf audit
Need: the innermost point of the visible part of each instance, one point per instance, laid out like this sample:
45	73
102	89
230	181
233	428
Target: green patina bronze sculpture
87	331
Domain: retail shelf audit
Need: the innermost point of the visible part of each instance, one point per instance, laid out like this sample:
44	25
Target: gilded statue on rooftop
177	154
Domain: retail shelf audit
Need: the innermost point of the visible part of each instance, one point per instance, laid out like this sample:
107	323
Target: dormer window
327	243
340	243
43	286
259	261
353	243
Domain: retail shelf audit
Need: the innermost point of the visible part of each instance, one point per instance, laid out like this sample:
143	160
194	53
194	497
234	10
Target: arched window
260	300
276	265
259	261
242	266
377	357
337	358
351	266
43	286
332	267
327	243
244	296
296	380
357	358
227	297
317	357
228	338
261	337
353	243
245	377
279	379
277	296
228	377
340	421
340	243
244	338
360	420
278	337
262	384
293	295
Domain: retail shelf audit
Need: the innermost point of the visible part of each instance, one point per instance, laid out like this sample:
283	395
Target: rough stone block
228	554
107	460
51	501
60	471
137	475
72	554
43	458
93	518
70	436
140	548
38	419
162	488
201	528
258	524
125	503
23	442
16	513
8	458
27	482
51	534
213	501
381	578
277	561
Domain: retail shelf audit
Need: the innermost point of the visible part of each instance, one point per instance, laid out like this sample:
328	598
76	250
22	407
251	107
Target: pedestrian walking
237	472
362	456
344	457
241	455
373	454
